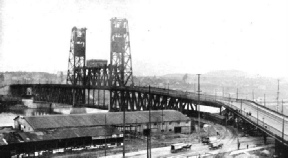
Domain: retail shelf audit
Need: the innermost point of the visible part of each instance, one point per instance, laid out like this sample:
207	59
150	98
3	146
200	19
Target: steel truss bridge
111	87
133	97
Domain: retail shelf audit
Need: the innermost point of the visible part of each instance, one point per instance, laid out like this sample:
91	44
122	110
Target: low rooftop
98	119
17	137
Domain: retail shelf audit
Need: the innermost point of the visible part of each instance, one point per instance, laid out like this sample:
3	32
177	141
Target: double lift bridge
113	84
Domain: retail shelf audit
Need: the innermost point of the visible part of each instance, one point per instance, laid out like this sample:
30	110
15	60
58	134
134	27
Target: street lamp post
283	124
263	122
277	97
264	100
241	106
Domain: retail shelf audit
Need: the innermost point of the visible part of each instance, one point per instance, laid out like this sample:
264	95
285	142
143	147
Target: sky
166	36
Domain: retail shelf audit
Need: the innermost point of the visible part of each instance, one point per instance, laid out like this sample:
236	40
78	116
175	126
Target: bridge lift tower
120	54
77	57
120	71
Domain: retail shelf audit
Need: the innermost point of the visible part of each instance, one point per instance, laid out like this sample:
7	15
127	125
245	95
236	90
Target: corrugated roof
112	118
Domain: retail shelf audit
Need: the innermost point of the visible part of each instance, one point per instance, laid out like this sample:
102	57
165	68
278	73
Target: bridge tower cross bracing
120	54
77	57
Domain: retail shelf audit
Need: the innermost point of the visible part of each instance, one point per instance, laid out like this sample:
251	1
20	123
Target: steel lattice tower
120	54
77	57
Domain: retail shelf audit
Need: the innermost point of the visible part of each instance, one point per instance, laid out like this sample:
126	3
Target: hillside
229	80
30	78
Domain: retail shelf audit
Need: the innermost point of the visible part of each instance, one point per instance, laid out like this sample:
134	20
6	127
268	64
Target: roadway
229	141
265	119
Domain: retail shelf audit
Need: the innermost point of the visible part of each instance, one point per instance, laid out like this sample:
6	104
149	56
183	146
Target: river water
7	115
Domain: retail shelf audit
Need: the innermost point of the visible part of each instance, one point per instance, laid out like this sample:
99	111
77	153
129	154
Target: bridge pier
221	110
265	138
281	150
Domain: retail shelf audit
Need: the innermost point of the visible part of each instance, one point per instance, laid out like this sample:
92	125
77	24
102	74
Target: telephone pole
277	99
199	105
105	135
283	123
124	125
149	127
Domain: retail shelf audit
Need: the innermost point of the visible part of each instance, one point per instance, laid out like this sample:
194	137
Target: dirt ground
163	139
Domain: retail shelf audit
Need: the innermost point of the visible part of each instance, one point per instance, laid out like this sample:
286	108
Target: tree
185	77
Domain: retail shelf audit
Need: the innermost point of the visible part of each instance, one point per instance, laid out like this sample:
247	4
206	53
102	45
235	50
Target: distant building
137	122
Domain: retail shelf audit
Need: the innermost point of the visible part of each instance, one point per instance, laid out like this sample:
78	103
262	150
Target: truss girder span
98	96
138	101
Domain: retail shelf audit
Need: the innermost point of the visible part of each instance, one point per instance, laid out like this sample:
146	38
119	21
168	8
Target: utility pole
282	107
237	93
105	135
283	124
163	109
149	128
162	119
277	99
241	106
238	142
124	125
199	105
257	114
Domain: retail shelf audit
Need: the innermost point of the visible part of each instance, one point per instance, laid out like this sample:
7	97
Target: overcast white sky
167	36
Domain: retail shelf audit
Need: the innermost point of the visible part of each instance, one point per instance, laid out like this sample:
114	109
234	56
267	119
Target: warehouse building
61	133
39	143
161	120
